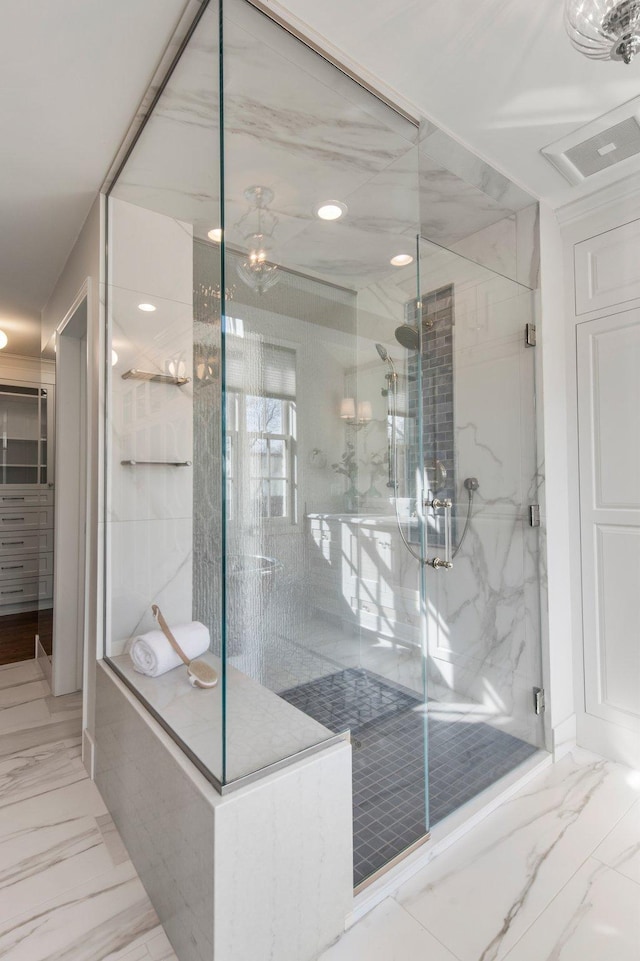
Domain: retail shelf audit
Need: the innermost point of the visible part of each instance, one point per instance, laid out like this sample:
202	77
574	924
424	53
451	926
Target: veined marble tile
68	704
388	933
595	917
103	918
506	872
38	770
54	857
28	714
621	847
159	947
22	694
20	673
152	565
139	953
81	798
35	735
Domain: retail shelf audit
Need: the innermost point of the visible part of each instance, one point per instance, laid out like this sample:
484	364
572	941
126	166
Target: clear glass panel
480	451
19	426
323	427
164	429
299	411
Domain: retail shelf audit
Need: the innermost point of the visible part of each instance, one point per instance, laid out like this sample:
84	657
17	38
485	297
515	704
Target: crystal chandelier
604	29
256	272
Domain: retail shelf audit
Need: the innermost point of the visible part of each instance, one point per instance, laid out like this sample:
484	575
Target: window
271	439
261	433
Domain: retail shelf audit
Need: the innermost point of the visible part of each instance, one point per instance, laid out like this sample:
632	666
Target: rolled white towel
152	654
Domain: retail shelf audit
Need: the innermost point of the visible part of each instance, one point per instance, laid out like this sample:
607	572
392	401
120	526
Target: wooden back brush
200	673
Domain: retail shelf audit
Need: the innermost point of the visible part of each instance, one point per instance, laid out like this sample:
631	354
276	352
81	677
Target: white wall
85	262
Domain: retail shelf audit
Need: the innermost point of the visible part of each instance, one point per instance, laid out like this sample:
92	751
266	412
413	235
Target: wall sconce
206	364
355	418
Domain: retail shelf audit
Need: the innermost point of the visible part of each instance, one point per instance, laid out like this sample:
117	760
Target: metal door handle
445	504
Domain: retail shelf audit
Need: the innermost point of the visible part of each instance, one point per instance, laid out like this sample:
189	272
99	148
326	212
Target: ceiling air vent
600	146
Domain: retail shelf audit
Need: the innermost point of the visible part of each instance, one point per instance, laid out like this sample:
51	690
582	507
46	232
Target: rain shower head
408	337
384	356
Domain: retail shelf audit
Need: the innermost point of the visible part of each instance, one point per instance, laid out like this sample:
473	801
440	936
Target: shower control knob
439	502
438	564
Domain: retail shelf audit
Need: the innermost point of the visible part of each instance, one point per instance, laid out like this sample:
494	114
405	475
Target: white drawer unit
26	590
15	499
30	565
26	549
15	543
26	519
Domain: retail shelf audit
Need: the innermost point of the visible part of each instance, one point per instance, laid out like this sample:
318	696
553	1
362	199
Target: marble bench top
261	728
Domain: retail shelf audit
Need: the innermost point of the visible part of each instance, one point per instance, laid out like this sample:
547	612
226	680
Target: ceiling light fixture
4	340
215	234
149	308
256	272
401	260
604	29
330	210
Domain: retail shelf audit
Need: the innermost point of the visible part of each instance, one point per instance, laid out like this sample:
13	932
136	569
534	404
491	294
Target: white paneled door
609	433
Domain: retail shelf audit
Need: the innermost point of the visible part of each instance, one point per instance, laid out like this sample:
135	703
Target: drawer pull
12	567
5	498
13	543
12	520
19	590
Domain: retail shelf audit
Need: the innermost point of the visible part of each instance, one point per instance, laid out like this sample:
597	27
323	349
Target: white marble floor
67	887
551	875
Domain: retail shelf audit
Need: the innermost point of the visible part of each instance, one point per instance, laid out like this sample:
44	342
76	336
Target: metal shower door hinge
538	700
534	515
529	335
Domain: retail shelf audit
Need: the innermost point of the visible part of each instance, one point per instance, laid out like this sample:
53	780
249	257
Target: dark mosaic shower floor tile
387	726
349	699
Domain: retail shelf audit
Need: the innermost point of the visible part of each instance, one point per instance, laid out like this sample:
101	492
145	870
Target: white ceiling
498	74
71	76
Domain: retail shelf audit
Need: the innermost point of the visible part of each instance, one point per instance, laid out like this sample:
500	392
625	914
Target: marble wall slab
149	507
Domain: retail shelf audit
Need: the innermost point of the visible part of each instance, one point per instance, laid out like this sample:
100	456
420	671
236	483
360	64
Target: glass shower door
483	614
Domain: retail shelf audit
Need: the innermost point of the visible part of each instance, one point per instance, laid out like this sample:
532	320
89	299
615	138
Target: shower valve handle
445	504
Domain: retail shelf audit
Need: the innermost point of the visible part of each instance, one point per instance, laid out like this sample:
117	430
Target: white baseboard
88	753
621	744
564	737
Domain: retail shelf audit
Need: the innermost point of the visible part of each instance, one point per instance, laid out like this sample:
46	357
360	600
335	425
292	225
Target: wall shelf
156	463
135	374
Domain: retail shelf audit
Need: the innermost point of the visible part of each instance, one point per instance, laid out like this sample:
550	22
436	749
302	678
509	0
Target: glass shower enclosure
299	406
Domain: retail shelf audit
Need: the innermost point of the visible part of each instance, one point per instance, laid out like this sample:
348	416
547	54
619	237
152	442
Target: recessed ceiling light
401	260
146	307
215	234
330	210
4	340
114	358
